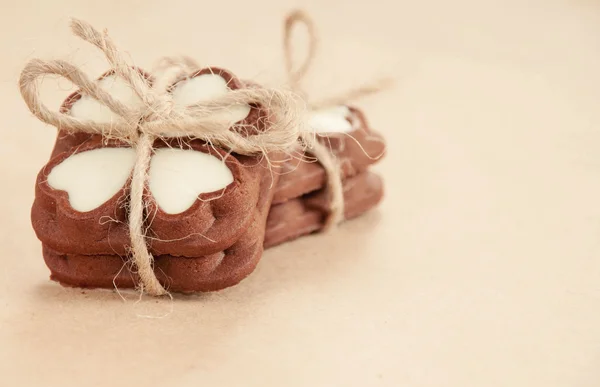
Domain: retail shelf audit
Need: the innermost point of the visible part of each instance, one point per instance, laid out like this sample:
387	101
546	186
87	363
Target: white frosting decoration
178	176
88	108
205	87
92	177
333	120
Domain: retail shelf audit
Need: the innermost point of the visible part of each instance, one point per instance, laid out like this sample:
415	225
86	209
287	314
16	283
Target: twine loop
157	110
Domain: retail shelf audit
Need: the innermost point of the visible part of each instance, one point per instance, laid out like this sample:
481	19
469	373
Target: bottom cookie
179	274
306	214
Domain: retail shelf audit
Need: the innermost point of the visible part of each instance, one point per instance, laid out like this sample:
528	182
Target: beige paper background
481	268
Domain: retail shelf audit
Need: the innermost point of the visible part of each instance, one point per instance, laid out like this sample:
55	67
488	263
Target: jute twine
158	118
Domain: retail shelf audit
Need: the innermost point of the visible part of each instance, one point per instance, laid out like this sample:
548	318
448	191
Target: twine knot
158	109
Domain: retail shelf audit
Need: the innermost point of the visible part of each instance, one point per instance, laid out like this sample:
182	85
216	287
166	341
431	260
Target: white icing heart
203	88
88	108
178	176
92	177
333	120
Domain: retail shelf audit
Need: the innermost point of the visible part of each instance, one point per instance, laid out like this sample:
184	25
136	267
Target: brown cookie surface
306	214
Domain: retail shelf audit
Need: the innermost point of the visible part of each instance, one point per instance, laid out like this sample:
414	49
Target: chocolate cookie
306	214
206	208
199	199
343	129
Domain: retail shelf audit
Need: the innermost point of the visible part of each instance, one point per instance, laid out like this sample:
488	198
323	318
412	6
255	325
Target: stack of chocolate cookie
209	212
300	203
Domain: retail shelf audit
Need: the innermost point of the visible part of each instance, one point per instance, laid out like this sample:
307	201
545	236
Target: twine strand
354	94
168	70
333	184
115	59
141	256
295	75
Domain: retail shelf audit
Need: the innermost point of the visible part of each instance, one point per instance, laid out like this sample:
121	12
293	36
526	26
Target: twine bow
157	118
295	75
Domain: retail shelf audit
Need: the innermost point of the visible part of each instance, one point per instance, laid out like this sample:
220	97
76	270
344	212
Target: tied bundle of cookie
178	182
315	196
